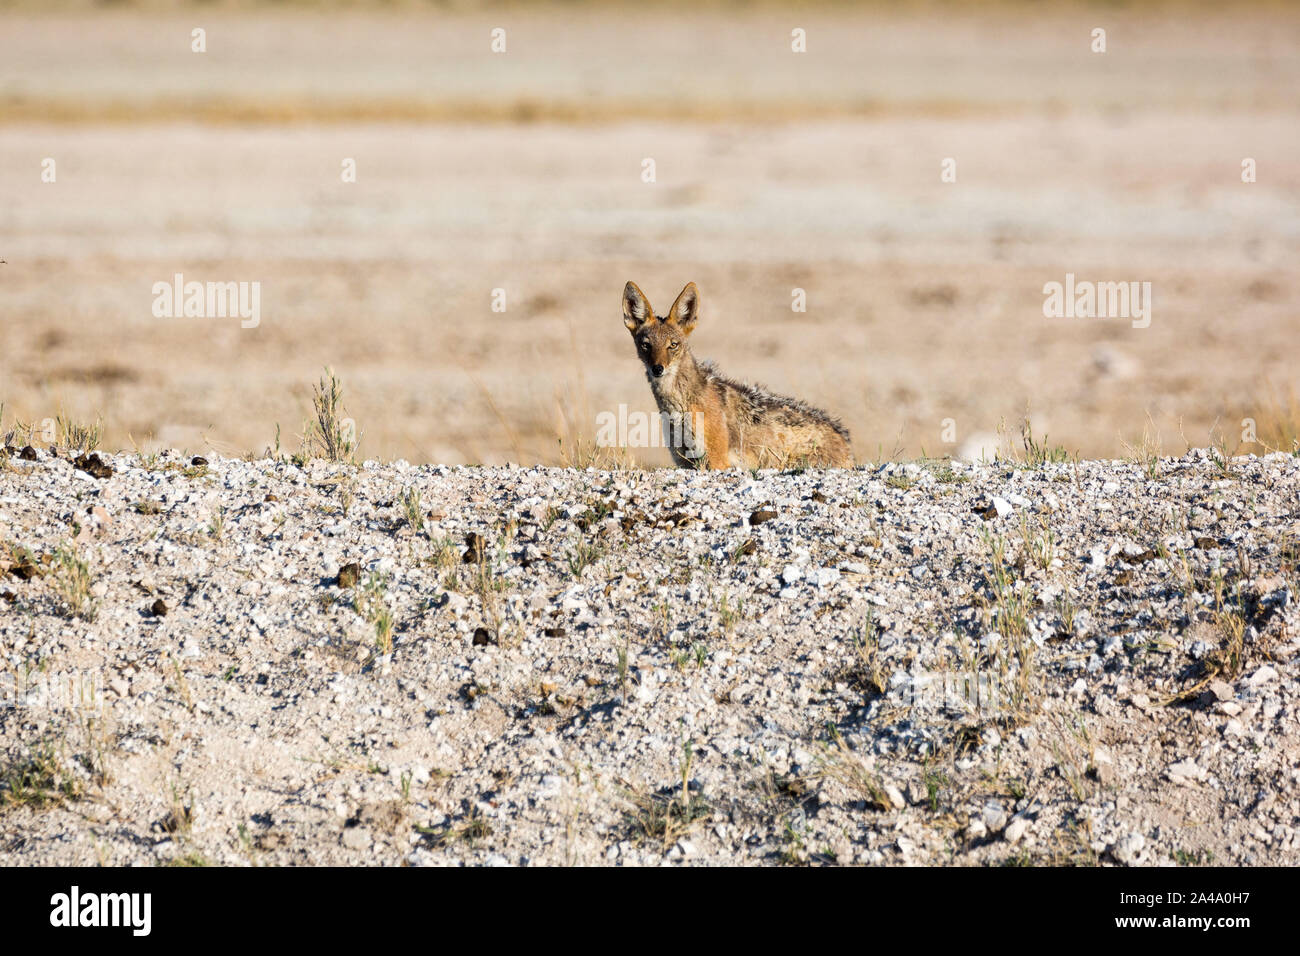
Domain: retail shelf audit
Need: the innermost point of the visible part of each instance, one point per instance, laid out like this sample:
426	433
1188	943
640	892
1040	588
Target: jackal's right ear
636	307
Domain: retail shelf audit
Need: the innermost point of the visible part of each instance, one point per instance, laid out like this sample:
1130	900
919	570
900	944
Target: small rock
94	466
1262	676
825	577
348	575
457	604
357	838
1128	848
1015	830
1185	772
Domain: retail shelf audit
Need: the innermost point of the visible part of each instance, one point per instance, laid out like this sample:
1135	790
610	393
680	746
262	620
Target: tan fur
728	424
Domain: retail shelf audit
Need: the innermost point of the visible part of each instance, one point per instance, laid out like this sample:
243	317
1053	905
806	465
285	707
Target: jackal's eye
672	346
645	346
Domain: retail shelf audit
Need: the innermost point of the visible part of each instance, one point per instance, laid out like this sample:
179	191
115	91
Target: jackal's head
660	339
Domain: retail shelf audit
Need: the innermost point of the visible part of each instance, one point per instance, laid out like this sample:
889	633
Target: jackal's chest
683	428
683	431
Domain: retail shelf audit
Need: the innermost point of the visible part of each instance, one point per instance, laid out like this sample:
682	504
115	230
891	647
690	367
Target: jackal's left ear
686	309
636	307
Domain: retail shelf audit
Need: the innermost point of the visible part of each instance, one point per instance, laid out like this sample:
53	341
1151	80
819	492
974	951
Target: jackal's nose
658	370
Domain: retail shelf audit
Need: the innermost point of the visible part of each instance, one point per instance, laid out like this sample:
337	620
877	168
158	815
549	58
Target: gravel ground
926	663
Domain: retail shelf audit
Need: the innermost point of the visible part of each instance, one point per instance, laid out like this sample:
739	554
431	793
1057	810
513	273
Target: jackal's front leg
716	445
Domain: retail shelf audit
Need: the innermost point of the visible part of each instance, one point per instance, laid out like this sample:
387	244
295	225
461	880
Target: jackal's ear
686	309
636	307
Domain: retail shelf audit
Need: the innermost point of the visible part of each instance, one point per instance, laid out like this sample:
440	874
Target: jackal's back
766	430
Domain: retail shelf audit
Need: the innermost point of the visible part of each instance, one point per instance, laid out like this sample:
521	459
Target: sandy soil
522	172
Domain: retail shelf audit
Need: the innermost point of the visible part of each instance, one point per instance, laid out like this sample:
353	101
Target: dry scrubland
323	662
775	171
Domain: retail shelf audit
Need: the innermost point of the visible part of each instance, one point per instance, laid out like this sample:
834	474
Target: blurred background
774	170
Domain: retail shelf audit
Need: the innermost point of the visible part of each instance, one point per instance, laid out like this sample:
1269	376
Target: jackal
722	423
